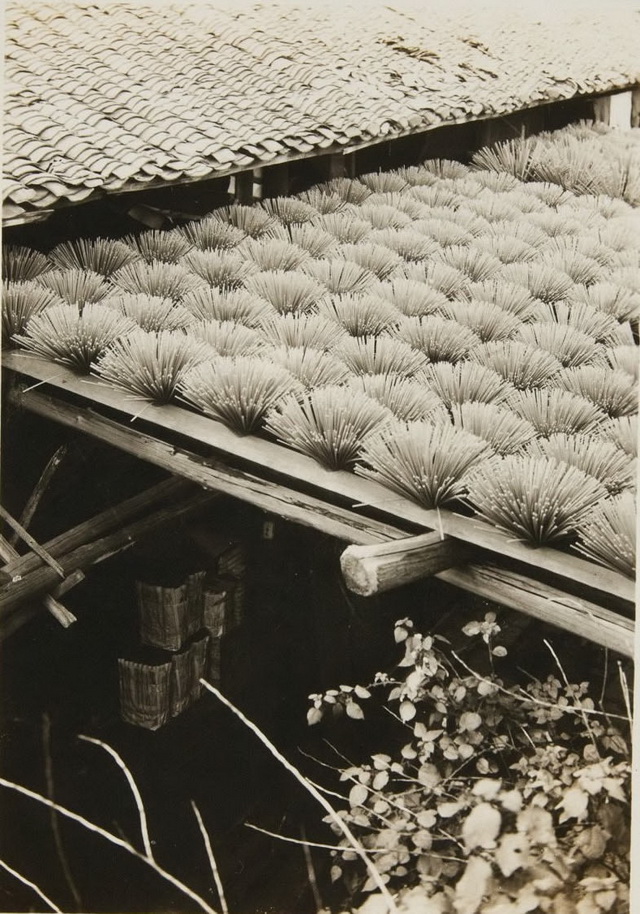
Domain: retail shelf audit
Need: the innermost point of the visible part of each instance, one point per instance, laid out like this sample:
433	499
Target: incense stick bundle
515	157
238	305
166	280
313	239
101	255
519	230
349	189
443	232
221	269
151	365
417	176
522	365
595	456
340	275
151	312
402	203
435	195
554	410
167	247
409	244
423	462
487	321
581	269
551	194
490	207
623	431
476	264
624	358
441	276
503	430
63	334
360	315
210	234
611	390
380	182
302	330
20	264
312	367
344	226
374	257
227	337
608	534
539	499
323	201
440	339
237	391
608	297
20	302
445	168
288	210
380	216
251	220
273	253
414	299
506	248
328	424
287	293
596	324
380	355
543	281
409	399
555	224
77	287
514	299
467	382
569	345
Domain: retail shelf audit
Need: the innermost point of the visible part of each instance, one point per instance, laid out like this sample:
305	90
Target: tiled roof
110	95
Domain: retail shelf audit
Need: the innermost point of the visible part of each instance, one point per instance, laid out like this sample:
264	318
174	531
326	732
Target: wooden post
244	187
369	570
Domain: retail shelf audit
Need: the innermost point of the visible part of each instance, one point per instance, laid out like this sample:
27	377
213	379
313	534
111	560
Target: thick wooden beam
269	496
368	570
289	465
580	617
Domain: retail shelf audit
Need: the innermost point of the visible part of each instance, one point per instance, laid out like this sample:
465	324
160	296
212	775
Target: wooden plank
581	617
43	578
101	524
272	497
368	570
306	471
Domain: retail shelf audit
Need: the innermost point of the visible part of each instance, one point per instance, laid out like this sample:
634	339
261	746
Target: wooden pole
41	579
39	489
59	612
369	570
26	537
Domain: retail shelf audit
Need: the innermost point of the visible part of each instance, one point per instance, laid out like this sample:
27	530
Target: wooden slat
272	497
369	570
581	617
288	463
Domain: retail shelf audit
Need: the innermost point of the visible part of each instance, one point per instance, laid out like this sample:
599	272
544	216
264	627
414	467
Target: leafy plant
490	796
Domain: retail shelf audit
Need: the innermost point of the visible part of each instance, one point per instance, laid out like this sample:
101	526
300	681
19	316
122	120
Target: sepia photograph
320	336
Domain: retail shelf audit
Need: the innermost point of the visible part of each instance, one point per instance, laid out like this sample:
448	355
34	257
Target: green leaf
481	827
381	780
574	805
380	761
429	776
537	824
487	788
469	720
361	692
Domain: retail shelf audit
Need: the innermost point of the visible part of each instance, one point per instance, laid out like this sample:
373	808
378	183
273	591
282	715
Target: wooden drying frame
277	479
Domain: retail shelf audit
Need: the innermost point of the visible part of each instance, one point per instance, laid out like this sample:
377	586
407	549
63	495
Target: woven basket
164	615
144	693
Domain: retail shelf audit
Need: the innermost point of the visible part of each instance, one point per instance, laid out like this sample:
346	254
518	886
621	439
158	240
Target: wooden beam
59	612
269	496
26	537
275	459
42	579
39	489
369	570
580	617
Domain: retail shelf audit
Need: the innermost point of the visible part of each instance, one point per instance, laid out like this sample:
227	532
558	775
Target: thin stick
625	693
342	825
289	840
39	489
31	885
585	719
112	839
605	675
212	859
311	872
55	826
144	828
26	537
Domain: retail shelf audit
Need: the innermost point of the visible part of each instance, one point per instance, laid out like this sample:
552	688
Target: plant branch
356	845
212	859
31	885
112	839
144	828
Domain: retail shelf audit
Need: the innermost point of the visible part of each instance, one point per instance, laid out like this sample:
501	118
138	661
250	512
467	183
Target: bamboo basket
164	615
145	691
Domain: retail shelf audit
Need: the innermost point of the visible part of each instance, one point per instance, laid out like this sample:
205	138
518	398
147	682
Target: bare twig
579	709
342	825
144	828
625	693
31	885
212	859
290	840
55	827
311	871
112	839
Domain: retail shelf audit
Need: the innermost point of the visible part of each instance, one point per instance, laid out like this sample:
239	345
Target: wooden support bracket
369	570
